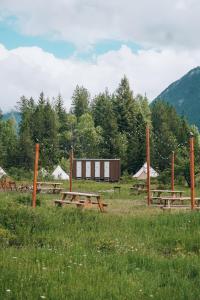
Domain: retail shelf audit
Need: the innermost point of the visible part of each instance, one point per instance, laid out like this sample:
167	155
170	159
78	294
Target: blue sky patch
12	39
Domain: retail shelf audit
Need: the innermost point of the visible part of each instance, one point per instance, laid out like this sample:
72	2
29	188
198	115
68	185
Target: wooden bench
81	200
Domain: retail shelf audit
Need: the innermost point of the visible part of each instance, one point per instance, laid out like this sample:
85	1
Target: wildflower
151	296
8	290
80	264
44	268
14	257
43	297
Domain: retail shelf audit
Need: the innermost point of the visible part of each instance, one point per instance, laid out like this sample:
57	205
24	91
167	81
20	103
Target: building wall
115	169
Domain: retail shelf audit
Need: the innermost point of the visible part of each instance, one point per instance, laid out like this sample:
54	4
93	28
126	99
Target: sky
52	46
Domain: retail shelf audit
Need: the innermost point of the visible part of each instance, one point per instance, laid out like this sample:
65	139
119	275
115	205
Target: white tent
58	173
2	172
142	173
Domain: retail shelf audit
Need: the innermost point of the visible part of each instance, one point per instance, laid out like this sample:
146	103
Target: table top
167	191
50	183
80	194
178	198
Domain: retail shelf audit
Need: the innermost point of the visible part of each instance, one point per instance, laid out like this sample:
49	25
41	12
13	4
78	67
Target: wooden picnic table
83	200
8	184
167	201
117	188
157	195
139	187
49	186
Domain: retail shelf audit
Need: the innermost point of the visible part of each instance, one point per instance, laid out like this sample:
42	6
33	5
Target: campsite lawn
131	252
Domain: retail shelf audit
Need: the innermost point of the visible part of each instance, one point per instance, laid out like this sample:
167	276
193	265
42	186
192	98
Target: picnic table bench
81	200
49	187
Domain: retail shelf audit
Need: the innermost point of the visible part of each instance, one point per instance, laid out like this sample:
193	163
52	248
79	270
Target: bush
27	200
20	174
6	238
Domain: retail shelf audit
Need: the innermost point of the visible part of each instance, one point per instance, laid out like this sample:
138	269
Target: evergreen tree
80	101
104	116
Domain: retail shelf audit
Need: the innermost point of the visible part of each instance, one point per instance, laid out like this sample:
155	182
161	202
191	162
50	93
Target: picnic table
139	187
8	184
158	195
117	188
167	201
49	187
81	200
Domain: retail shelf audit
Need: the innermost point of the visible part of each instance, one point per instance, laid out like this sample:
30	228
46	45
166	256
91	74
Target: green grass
131	252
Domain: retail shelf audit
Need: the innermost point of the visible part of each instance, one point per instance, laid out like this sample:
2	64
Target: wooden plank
167	191
48	182
79	194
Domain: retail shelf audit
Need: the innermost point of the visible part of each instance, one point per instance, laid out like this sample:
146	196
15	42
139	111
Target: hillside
184	95
13	114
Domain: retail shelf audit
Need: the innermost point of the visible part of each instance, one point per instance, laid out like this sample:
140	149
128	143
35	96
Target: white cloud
28	71
169	23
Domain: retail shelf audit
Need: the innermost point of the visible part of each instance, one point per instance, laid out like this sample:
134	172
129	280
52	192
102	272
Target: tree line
106	126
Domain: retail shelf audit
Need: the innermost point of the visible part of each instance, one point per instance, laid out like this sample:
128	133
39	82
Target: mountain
12	115
184	95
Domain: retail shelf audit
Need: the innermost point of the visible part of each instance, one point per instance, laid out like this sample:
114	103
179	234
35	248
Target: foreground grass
132	253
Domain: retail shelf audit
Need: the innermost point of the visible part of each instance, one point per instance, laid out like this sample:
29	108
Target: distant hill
184	95
13	114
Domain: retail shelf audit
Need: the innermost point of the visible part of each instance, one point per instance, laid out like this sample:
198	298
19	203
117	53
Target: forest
109	125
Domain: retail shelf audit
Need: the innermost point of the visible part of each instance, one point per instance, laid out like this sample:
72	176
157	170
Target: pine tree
80	101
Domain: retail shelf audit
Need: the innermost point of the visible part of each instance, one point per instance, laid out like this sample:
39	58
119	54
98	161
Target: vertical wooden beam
172	172
192	177
148	165
37	146
71	169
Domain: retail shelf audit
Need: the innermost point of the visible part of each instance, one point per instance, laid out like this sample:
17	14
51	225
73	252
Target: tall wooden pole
172	172
192	178
35	175
71	169
148	165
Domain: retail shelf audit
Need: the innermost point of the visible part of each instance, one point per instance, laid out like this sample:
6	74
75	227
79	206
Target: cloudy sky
52	46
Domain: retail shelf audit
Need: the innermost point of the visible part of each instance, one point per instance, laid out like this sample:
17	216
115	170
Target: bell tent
142	173
59	173
2	172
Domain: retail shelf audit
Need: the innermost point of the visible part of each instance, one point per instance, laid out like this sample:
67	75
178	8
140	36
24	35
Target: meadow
130	252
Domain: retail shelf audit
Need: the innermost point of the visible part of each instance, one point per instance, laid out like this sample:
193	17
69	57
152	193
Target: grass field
130	252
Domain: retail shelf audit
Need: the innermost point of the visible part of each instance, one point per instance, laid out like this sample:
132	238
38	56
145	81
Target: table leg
101	208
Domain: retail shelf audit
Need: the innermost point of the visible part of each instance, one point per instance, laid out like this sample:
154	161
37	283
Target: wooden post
148	165
192	178
35	175
71	169
172	172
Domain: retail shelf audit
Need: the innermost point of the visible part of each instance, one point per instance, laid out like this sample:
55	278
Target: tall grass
65	253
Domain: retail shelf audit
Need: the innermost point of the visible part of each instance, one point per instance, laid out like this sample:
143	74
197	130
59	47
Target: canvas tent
142	173
58	173
2	172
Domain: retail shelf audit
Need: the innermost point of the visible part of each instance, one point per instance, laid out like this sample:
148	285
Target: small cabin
97	169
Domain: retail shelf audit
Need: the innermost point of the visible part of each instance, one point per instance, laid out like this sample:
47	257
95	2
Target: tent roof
59	173
143	169
2	172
